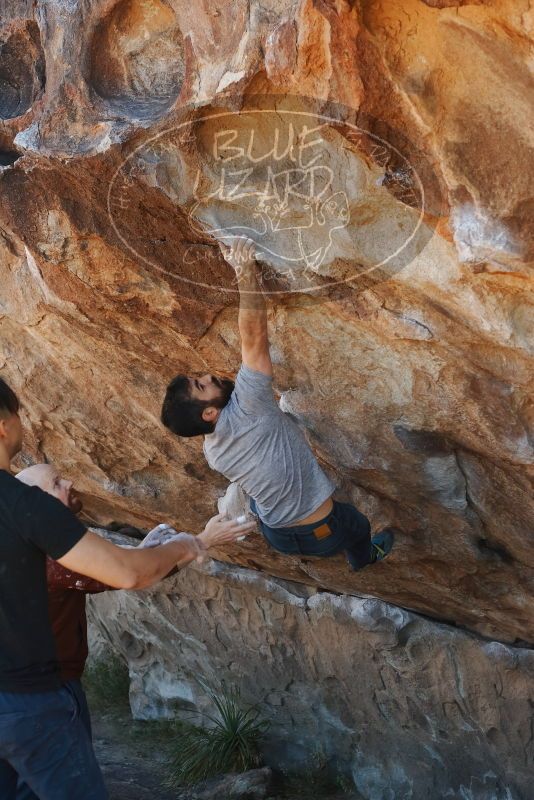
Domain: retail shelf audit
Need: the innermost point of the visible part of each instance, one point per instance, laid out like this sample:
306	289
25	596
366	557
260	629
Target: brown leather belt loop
322	531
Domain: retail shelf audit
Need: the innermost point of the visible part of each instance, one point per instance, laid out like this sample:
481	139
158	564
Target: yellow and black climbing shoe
381	545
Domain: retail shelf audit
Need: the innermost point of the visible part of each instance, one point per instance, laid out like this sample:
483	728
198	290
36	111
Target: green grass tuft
230	744
107	683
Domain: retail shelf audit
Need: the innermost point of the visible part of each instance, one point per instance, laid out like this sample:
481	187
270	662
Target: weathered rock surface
410	361
410	707
252	785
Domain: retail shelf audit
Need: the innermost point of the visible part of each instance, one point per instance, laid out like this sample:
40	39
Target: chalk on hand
241	521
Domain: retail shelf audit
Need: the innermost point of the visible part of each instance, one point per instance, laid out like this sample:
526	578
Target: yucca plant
230	744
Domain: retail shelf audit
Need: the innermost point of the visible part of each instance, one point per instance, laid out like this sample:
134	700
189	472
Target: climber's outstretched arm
252	308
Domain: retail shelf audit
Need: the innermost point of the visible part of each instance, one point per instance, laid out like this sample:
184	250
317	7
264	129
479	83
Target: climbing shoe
381	545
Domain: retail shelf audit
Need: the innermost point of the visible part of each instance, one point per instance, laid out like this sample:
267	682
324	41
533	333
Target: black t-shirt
32	525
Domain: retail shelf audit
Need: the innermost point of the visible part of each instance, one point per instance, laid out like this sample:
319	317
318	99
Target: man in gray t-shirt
263	450
255	444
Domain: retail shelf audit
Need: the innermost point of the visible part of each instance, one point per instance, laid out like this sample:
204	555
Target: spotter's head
10	424
47	478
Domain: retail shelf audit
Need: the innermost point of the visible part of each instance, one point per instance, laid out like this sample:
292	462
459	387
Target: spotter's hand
159	535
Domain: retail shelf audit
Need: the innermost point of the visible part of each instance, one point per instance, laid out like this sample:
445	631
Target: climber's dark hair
9	402
182	414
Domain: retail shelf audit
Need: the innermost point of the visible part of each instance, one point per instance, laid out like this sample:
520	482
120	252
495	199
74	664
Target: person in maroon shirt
66	607
67	592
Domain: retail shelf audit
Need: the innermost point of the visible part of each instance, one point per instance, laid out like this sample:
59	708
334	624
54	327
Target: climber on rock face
253	443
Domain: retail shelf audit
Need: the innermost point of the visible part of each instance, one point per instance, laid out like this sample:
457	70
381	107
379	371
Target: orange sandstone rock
409	361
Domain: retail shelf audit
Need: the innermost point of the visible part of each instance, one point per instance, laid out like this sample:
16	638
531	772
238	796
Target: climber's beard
226	387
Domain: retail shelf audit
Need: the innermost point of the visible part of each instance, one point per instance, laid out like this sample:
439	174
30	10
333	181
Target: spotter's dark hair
181	413
9	402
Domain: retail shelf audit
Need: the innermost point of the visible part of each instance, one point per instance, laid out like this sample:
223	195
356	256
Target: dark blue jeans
45	743
344	530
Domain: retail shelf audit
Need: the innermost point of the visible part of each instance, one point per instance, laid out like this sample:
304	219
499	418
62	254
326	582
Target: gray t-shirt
263	450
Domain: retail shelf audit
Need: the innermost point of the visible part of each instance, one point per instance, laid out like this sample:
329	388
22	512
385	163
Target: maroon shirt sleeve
60	578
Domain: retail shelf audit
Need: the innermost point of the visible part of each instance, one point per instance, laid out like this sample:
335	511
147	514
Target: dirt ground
134	758
134	769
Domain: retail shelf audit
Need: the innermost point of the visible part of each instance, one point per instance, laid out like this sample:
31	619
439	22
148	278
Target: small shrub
229	745
107	682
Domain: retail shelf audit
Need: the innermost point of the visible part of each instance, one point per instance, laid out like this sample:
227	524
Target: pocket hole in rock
22	70
8	157
137	58
496	550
